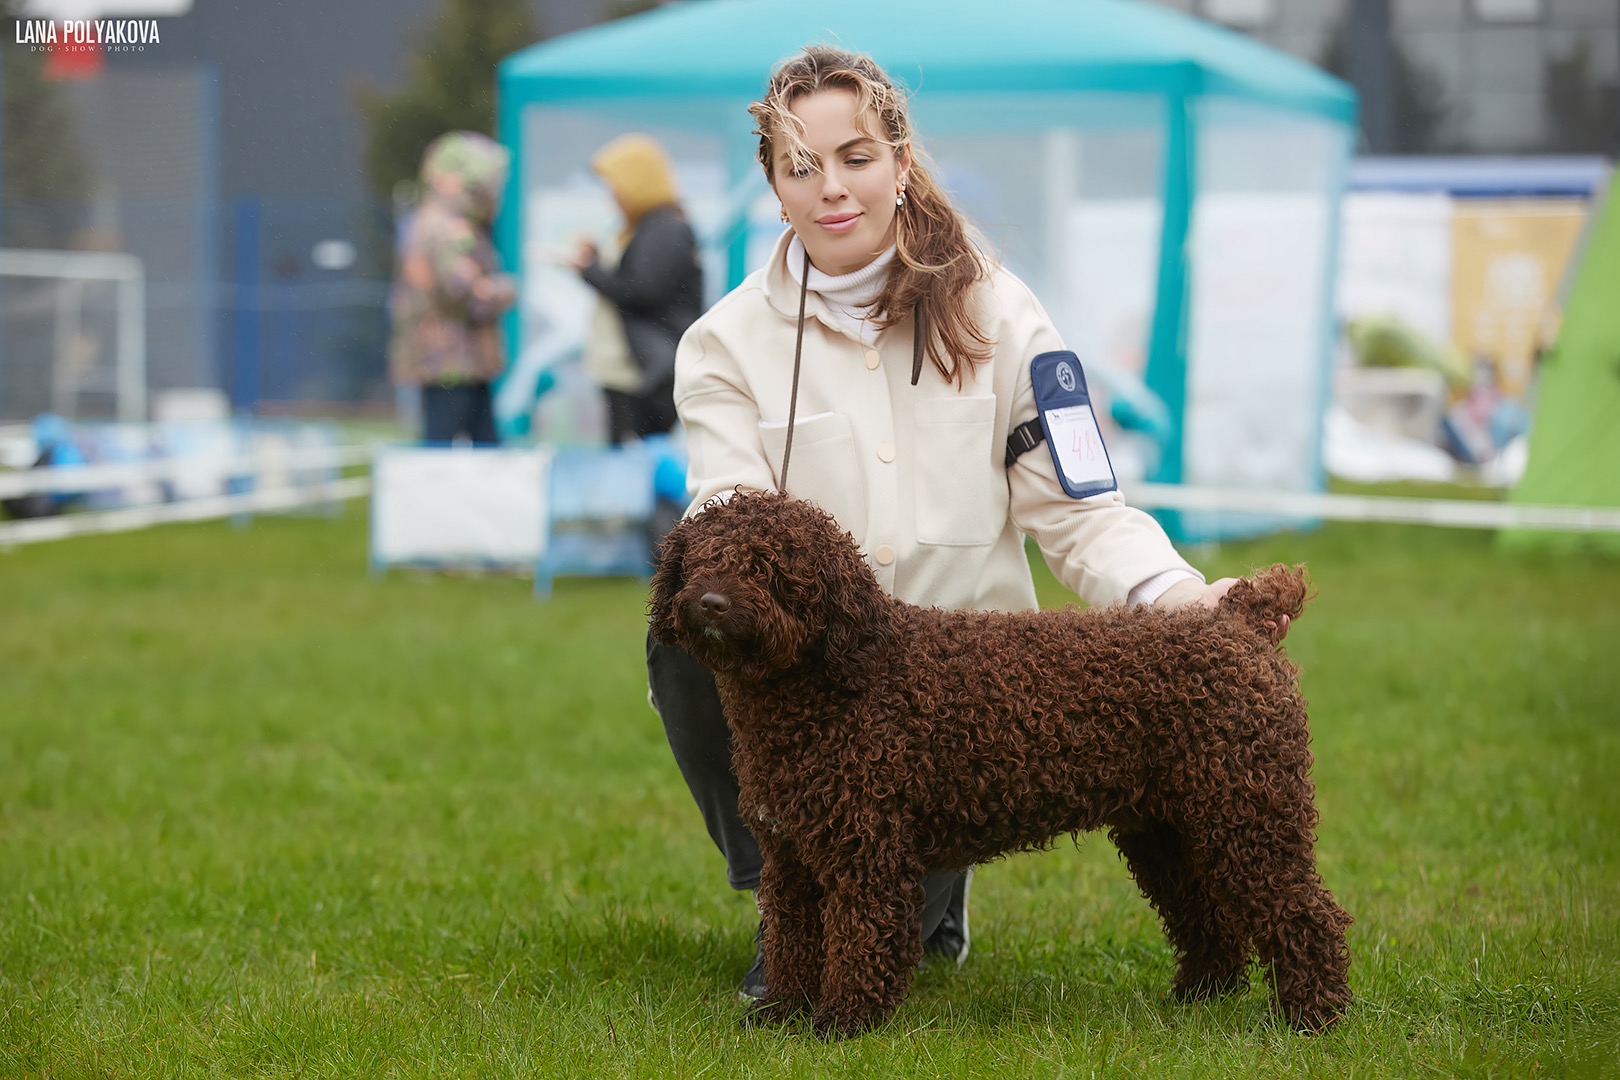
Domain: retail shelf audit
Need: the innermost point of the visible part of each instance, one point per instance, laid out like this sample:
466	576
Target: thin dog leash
919	336
798	351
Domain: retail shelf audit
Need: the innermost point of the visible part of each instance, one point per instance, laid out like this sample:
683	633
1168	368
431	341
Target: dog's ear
666	583
858	617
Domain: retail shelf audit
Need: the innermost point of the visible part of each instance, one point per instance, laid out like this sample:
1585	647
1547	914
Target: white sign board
1254	386
443	506
1395	259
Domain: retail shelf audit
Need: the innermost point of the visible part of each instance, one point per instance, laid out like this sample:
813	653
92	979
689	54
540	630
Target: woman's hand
585	255
495	293
1211	594
1192	592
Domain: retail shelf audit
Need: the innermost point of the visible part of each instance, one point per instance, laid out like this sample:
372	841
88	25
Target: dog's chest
802	791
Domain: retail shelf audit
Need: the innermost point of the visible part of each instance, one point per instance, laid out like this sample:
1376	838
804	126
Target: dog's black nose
715	603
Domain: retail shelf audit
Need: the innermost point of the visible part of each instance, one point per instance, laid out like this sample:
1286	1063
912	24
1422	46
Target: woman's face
843	210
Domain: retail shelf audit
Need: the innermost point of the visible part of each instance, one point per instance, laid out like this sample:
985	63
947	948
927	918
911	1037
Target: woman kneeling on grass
916	468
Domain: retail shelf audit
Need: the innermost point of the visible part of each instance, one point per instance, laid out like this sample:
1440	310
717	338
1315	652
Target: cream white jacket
915	473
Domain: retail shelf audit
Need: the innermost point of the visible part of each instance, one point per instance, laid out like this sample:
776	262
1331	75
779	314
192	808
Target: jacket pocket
823	468
960	499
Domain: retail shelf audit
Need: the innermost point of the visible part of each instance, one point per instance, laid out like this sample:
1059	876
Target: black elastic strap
1022	439
798	351
919	339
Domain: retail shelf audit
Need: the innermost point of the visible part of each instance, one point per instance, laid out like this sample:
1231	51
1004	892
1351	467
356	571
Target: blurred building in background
1488	131
1456	76
229	156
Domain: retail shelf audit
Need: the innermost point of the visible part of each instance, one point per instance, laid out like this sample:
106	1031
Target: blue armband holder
1070	426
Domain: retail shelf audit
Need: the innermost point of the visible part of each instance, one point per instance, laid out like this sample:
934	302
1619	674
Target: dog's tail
1269	599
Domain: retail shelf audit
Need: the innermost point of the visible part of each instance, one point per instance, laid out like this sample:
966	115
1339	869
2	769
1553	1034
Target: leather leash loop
919	337
798	352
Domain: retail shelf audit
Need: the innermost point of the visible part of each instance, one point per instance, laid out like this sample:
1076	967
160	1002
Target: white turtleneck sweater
849	297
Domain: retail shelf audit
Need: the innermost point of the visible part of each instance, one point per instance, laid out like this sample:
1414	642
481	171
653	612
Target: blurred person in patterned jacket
449	290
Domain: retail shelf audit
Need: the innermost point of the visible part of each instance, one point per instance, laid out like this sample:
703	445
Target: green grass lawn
263	816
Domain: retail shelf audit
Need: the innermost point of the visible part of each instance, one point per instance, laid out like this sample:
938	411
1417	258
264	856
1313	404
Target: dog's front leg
790	906
872	921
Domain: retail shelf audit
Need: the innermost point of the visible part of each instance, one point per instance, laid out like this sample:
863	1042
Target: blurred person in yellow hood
449	291
655	288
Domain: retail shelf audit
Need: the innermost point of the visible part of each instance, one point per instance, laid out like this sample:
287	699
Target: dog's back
1099	705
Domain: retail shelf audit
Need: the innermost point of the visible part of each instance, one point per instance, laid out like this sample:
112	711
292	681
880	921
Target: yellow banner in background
1508	260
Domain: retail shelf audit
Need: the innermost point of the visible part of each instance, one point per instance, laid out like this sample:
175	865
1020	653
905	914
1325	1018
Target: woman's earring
784	214
900	195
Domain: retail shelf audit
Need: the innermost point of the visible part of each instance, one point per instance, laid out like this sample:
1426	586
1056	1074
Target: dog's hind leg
1210	959
873	925
790	901
1262	871
1302	943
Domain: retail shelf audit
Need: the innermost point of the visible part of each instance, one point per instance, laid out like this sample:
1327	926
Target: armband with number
1067	424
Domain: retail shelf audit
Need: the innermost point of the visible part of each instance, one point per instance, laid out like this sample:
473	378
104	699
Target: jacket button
884	555
873	359
886	452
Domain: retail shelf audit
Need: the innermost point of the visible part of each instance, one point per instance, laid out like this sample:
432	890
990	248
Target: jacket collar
782	292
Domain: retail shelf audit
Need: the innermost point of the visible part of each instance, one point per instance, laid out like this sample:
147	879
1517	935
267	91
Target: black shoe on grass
950	940
752	989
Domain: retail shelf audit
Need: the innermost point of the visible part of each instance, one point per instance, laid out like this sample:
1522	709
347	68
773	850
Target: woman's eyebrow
786	154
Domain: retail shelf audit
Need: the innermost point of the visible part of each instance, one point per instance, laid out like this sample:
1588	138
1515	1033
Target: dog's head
761	584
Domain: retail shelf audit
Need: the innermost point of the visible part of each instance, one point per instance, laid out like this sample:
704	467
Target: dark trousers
462	409
656	409
684	694
621	416
640	415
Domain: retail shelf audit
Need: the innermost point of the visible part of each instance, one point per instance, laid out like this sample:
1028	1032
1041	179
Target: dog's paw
829	1025
1206	987
1315	1015
769	1014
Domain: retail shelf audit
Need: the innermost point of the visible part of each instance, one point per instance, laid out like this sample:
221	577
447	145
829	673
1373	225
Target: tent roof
726	48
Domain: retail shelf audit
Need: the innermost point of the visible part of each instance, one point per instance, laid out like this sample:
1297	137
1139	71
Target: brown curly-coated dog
875	740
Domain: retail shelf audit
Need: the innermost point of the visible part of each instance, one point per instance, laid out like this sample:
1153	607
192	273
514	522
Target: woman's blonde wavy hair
937	257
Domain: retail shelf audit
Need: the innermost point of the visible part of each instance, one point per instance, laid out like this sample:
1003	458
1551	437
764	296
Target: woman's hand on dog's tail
1211	598
1271	598
1274	595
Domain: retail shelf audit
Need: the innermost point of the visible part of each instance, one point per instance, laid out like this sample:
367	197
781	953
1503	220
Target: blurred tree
44	176
1418	94
1585	114
450	85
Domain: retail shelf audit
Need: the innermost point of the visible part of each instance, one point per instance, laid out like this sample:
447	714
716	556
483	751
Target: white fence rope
71	479
75	479
1468	514
203	509
1455	513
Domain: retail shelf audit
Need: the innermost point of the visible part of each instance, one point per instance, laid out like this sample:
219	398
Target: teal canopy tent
1168	188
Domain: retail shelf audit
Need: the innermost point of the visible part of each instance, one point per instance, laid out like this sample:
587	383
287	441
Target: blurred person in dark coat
656	286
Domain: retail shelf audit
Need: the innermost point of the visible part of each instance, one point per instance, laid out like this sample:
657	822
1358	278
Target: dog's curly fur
875	740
